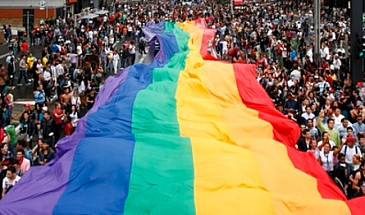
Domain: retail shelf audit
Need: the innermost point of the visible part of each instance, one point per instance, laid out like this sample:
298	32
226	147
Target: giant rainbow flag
187	134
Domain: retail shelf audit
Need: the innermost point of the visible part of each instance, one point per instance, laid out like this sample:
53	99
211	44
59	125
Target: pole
356	34
232	9
28	32
317	22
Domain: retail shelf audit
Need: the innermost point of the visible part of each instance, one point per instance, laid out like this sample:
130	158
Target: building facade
27	13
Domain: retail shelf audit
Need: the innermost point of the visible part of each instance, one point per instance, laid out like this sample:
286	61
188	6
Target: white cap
45	108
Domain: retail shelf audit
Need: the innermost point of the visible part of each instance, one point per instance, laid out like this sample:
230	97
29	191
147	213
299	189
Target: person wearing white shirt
308	113
59	70
111	39
296	73
91	36
10	180
79	50
53	72
349	149
326	157
324	51
47	74
310	54
75	99
224	47
116	59
292	81
337	116
336	62
106	41
81	87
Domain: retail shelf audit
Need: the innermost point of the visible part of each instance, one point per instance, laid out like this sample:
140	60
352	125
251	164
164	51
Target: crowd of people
278	36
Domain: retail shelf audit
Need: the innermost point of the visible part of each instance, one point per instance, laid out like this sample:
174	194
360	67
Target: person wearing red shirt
58	115
111	18
328	77
68	128
24	47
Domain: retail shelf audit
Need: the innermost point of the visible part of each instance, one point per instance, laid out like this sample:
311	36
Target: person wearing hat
349	149
28	109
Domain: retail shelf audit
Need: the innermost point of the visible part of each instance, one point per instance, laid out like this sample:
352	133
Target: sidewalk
22	94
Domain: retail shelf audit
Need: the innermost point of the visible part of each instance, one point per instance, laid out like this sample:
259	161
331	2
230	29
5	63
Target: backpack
346	150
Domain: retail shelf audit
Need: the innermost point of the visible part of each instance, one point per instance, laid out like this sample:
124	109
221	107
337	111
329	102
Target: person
132	52
58	114
359	126
31	61
356	162
307	114
12	137
305	141
24	163
357	179
342	170
75	99
314	131
349	149
11	71
24	47
90	99
325	139
314	148
6	158
326	158
116	60
47	127
329	127
11	179
9	102
362	144
40	96
27	126
23	70
3	79
46	154
74	117
342	129
68	128
24	145
338	117
361	191
322	85
36	152
65	98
